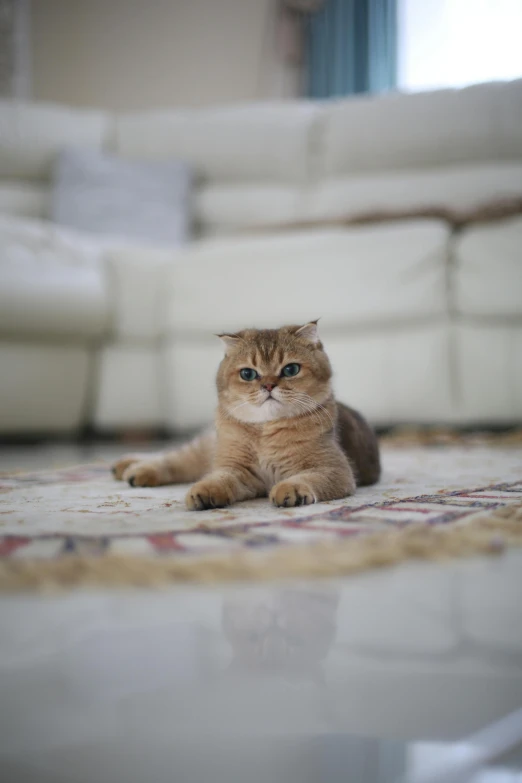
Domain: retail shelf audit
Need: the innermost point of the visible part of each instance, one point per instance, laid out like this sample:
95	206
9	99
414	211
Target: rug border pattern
495	523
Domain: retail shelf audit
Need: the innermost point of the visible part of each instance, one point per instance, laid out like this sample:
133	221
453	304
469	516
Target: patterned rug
77	526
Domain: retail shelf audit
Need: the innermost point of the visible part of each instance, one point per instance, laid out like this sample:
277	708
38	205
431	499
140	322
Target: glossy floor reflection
312	683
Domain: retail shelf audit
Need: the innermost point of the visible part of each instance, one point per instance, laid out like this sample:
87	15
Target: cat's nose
268	386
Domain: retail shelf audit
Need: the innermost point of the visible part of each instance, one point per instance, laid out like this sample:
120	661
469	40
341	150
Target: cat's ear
309	332
229	340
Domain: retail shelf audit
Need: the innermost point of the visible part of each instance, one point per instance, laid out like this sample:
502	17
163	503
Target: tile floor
375	679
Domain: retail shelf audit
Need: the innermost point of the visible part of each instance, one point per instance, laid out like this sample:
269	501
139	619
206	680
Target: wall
134	54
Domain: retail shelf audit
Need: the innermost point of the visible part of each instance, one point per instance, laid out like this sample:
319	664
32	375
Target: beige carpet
78	526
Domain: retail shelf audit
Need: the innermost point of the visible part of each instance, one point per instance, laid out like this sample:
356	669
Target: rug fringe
449	436
483	533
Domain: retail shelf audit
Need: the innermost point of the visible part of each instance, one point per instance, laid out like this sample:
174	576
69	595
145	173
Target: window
453	43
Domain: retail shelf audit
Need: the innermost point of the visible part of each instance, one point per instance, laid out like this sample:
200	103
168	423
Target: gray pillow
124	201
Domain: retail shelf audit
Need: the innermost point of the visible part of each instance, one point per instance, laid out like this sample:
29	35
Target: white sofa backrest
276	163
251	162
247	143
31	134
270	164
403	153
418	130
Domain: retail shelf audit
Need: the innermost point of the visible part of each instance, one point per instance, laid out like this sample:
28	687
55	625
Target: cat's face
269	374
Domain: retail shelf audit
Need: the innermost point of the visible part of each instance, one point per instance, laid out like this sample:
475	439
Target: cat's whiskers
296	403
327	412
306	410
304	405
313	412
261	398
311	405
317	405
230	411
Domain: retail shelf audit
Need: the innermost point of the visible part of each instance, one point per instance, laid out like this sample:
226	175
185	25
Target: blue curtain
352	48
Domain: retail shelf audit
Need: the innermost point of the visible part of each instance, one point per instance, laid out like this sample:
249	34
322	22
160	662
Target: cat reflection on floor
288	632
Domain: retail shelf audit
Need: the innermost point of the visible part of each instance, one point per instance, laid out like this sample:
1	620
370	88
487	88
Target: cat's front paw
143	474
119	467
292	493
208	493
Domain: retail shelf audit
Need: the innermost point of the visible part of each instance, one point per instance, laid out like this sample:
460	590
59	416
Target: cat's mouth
270	398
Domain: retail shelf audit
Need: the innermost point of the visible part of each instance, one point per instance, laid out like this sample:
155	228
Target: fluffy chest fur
269	472
275	450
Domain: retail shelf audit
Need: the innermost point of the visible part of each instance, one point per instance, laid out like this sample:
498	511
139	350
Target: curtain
351	47
6	48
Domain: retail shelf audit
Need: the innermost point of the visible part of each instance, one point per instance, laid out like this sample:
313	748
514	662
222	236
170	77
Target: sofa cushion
229	208
455	189
52	283
353	277
259	142
123	201
26	199
32	134
130	391
395	131
488	361
488	269
44	387
140	291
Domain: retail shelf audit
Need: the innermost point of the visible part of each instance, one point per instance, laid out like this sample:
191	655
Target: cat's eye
248	374
291	370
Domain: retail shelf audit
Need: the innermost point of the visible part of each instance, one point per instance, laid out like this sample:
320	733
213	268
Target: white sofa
423	324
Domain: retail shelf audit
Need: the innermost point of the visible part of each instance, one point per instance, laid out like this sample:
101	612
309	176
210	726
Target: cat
278	431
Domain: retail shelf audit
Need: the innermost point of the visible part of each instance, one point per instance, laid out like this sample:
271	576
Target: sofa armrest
139	284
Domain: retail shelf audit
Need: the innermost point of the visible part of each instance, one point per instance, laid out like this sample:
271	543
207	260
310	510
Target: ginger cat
278	432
